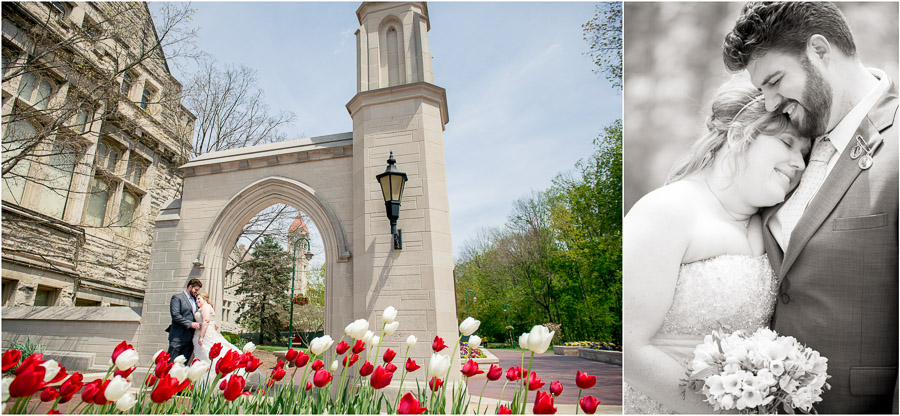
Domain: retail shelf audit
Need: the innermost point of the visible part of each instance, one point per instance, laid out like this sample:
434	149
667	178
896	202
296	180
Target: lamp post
392	183
474	299
506	309
308	256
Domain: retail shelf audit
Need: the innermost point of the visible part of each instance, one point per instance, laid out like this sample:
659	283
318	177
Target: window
59	170
59	9
146	97
127	80
126	213
38	97
90	28
26	86
84	119
86	302
95	215
6	63
135	171
107	156
9	288
45	296
18	136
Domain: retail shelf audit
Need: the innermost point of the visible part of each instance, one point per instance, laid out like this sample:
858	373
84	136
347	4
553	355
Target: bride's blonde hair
738	116
205	297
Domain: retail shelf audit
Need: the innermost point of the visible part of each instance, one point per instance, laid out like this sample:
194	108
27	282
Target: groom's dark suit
180	332
839	275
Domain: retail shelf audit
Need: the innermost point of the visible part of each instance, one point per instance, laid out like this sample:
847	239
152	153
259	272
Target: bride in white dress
693	252
209	335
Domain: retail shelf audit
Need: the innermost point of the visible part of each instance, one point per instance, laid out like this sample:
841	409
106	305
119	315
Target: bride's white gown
210	338
729	292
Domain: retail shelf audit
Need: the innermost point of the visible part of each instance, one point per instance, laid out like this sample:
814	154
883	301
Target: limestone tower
398	108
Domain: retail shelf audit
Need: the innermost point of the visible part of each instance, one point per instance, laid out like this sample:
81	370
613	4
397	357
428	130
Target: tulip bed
606	346
353	383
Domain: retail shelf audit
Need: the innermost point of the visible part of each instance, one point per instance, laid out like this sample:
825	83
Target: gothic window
127	208
135	171
127	80
9	288
95	214
393	56
17	136
83	119
90	27
107	156
58	179
36	90
146	97
26	86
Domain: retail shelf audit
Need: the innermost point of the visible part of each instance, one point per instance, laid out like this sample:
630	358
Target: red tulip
366	369
100	396
302	359
270	383
317	364
29	378
90	390
390	367
308	386
122	347
11	359
223	384
512	374
471	369
389	355
359	346
322	378
411	365
494	373
163	364
435	384
342	347
556	388
503	410
438	344
54	412
350	360
589	404
243	359
278	373
124	374
534	382
234	388
215	350
585	381
291	355
543	404
166	387
49	394
252	364
409	406
70	387
381	378
228	363
151	380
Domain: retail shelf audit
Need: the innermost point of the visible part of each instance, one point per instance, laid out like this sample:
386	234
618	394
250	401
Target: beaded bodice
728	292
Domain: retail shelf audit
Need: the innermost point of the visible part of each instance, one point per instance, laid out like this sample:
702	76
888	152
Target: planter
490	359
609	357
566	351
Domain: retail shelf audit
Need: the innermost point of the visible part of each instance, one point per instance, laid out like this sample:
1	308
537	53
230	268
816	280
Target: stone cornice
422	90
365	6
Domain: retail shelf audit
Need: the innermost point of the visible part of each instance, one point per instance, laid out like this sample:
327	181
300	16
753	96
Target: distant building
93	131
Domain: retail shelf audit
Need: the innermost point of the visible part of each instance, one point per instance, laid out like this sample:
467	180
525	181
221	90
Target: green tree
265	284
604	35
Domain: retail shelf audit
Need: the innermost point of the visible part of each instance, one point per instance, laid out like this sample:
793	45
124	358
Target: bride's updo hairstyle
205	297
738	116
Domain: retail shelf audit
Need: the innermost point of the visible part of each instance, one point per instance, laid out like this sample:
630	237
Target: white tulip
391	327
197	370
438	365
390	313
539	339
375	340
411	341
117	387
334	366
157	354
179	371
474	341
367	338
320	344
51	370
179	359
126	402
249	347
523	341
469	326
5	387
126	359
357	329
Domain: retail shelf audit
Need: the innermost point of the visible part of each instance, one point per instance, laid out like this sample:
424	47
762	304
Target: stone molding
422	90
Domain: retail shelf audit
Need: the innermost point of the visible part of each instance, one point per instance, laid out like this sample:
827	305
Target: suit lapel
773	250
840	179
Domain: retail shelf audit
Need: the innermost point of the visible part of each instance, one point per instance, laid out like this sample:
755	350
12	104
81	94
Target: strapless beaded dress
728	292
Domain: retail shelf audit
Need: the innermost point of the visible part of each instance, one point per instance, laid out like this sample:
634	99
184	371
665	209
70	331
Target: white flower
197	370
714	383
51	370
539	339
389	315
179	371
5	387
727	402
367	337
469	326
765	378
179	359
391	327
438	365
126	359
357	329
732	383
375	340
249	347
474	341
411	341
777	368
334	366
126	402
320	344
117	387
157	355
523	341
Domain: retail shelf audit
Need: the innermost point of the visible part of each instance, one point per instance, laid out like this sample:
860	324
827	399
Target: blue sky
523	99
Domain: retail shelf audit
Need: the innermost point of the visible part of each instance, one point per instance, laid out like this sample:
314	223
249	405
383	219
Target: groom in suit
833	242
181	332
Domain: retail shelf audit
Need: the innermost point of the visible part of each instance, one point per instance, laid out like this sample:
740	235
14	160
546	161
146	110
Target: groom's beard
817	100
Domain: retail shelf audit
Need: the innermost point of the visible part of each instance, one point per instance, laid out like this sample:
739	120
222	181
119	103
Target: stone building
93	133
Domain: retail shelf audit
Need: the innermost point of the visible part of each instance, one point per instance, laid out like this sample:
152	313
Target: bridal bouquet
757	372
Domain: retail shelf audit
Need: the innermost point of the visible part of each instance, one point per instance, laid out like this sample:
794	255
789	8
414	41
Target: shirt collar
841	134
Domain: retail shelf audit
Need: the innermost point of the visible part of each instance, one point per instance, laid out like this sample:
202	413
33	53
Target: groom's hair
195	282
785	27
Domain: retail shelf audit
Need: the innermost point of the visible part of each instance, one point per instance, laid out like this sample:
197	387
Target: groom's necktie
810	182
